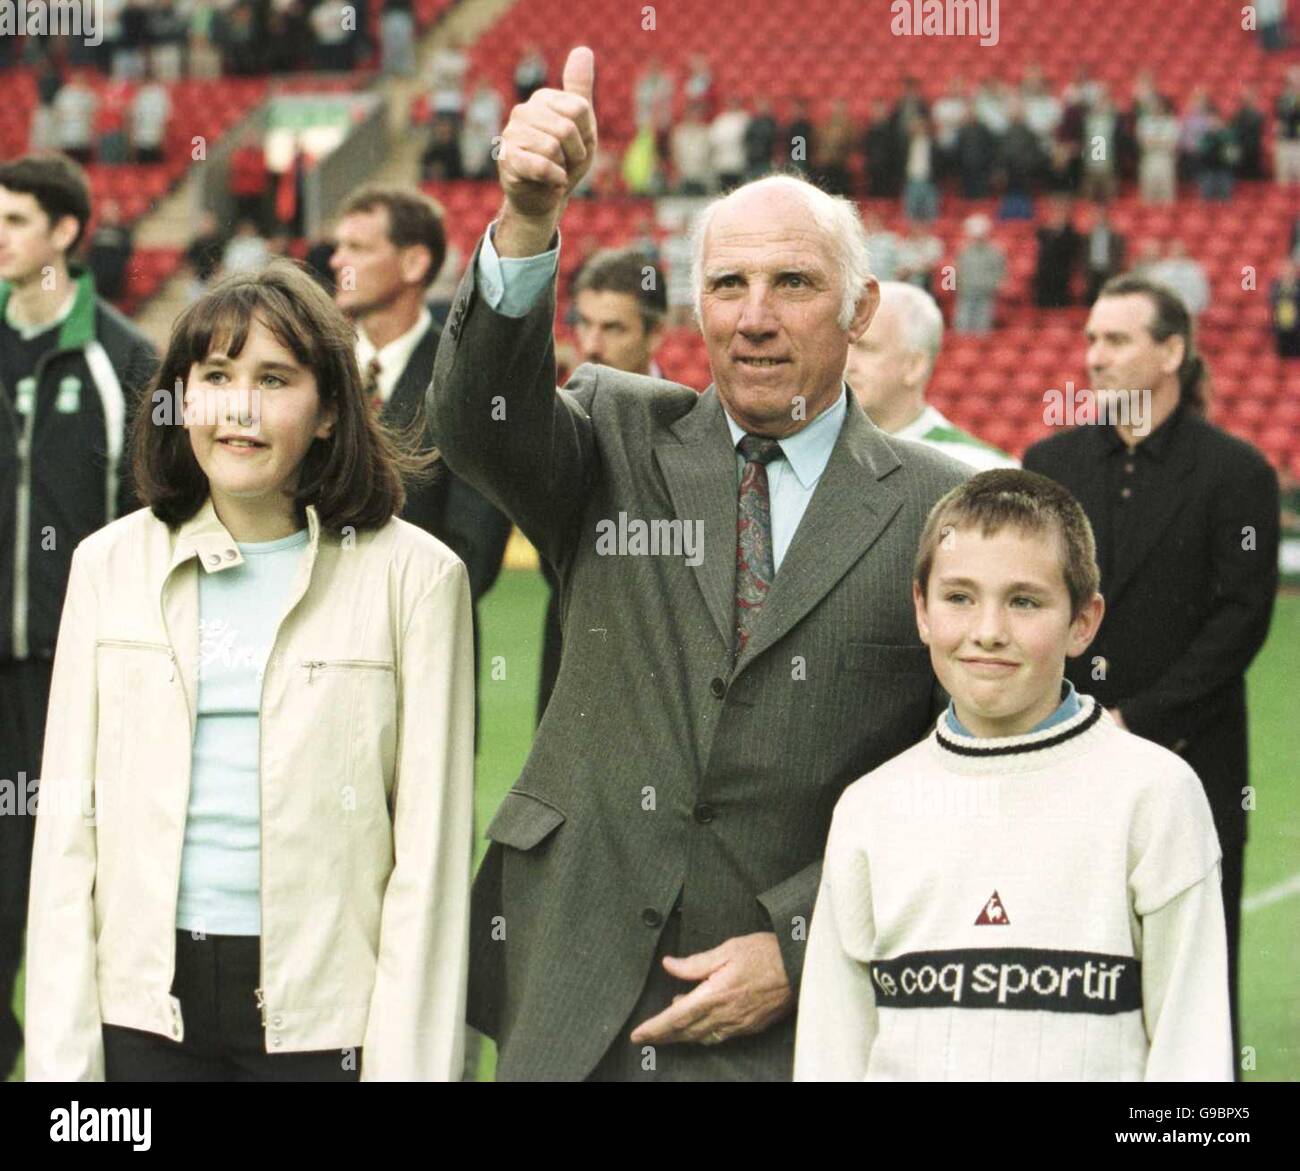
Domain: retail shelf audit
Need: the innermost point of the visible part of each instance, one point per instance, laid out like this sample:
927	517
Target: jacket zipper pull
260	993
311	668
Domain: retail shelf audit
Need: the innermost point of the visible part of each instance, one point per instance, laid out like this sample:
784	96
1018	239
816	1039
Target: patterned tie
371	387
755	567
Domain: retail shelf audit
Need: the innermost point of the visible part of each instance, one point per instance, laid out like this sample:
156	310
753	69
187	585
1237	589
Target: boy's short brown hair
354	478
993	500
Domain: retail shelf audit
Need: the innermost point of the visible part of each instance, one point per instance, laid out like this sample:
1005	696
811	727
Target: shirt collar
926	421
1068	706
808	450
1155	445
27	332
394	356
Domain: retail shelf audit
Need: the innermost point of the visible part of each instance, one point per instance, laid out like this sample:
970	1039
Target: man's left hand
743	989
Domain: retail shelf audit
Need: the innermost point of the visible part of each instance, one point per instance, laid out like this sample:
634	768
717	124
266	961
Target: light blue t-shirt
511	286
239	613
1069	706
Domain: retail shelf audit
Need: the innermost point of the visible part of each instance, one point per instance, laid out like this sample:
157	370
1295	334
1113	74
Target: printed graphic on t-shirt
994	913
219	646
1028	979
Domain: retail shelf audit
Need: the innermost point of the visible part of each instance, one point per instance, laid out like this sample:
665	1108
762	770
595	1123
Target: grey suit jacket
660	770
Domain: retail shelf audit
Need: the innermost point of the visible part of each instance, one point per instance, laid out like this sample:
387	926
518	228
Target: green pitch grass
1270	1009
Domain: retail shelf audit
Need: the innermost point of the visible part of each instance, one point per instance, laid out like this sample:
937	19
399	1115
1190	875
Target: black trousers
216	981
24	696
1232	868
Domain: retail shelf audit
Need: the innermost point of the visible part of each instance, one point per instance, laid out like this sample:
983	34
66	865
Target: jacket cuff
789	906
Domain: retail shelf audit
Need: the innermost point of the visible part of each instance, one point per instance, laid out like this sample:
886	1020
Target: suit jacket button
718	687
704	814
651	918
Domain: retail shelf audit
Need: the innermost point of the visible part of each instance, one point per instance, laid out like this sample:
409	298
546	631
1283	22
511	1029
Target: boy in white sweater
1031	892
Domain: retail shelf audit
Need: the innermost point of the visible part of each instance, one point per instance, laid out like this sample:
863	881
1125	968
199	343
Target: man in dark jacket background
71	371
1186	518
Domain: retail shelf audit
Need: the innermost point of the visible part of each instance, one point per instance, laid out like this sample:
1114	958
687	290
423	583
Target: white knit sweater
1038	907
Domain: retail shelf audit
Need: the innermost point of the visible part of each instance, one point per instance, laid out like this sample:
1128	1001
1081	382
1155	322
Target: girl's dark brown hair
354	478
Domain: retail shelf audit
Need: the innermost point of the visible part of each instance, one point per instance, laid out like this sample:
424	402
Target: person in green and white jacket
71	371
889	367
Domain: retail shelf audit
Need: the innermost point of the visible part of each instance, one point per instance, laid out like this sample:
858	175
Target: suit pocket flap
523	821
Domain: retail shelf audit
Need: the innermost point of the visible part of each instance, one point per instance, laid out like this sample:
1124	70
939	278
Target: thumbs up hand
547	147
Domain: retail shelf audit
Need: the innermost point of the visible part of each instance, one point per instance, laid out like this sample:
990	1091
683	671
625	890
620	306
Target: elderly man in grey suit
738	634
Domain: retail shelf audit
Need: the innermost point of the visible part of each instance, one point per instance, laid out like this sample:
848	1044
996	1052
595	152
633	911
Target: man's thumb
580	72
699	966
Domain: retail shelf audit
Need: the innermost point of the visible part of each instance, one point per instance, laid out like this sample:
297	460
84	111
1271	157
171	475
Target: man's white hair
920	323
834	215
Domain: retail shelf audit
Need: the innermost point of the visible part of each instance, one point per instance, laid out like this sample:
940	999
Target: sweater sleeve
1185	987
1174	882
837	1006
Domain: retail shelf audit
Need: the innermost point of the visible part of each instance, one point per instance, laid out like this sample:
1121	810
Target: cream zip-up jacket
367	758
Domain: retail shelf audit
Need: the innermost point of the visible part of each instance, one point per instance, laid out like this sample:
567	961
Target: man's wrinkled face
768	309
370	271
29	243
611	331
1122	354
881	368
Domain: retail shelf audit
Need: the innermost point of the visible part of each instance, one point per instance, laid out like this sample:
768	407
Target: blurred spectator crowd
170	39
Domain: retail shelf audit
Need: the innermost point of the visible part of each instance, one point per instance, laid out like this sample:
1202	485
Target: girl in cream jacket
252	854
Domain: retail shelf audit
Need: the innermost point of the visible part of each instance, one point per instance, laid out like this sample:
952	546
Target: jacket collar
78	328
205	537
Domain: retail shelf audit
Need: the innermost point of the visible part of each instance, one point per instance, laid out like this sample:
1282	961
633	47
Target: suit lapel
409	392
1087	481
699	467
852	505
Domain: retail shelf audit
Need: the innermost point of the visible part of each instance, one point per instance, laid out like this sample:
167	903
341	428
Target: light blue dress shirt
793	476
1069	706
512	285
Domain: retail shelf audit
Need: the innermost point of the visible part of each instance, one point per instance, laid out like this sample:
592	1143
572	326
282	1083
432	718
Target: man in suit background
389	245
889	368
739	641
620	301
1186	519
